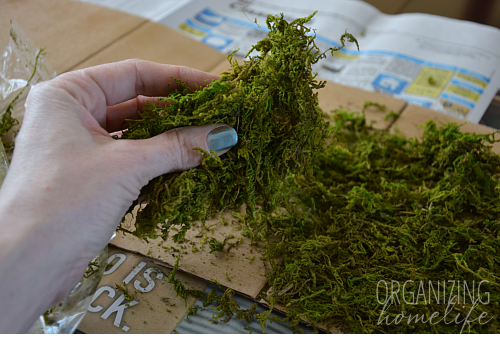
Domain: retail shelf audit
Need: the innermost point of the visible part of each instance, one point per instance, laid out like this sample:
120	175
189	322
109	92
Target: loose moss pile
385	208
269	101
387	218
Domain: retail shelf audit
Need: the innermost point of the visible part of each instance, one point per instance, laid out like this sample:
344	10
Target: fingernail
222	138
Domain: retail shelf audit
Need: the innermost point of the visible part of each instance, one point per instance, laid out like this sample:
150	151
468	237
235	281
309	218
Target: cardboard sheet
335	96
238	267
155	42
414	117
70	31
157	310
223	66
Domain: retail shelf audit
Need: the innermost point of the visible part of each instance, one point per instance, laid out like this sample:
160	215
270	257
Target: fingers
130	109
99	89
125	80
174	150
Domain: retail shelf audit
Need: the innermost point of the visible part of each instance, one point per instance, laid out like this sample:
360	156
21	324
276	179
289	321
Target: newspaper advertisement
443	64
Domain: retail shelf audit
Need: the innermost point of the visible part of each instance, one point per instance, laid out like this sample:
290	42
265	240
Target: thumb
174	151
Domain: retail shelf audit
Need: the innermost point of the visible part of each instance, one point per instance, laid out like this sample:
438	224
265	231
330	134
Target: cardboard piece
414	117
335	96
158	43
71	31
233	267
224	66
149	315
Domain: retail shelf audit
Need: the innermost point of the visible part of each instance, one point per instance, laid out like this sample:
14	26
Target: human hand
70	183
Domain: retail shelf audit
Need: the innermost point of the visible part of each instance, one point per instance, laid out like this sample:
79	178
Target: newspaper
443	64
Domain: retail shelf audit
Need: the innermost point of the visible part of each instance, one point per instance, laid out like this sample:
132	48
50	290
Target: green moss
179	288
385	208
126	294
216	245
226	307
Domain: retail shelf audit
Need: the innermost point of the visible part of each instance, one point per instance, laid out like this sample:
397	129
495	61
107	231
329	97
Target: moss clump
216	245
126	294
270	101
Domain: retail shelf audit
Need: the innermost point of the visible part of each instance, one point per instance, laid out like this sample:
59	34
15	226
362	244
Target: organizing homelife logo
452	294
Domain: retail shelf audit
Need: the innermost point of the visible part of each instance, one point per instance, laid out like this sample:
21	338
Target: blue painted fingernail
222	138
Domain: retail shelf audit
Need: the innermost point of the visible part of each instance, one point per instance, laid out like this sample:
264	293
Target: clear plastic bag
65	318
17	66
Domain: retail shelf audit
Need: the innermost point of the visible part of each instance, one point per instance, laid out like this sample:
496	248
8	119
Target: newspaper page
443	64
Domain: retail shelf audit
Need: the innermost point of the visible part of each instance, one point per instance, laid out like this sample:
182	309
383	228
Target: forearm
32	279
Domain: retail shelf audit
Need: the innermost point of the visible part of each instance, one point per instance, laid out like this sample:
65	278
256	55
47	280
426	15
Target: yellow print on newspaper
464	92
194	31
470	78
430	82
342	55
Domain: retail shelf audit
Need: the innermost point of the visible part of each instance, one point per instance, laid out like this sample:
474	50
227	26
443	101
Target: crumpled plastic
17	63
65	317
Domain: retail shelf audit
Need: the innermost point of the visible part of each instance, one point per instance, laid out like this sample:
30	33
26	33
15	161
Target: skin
70	183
